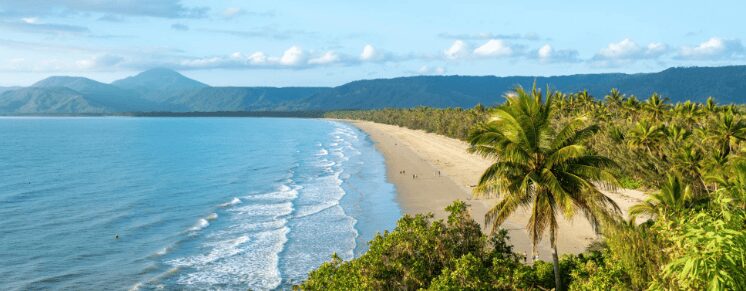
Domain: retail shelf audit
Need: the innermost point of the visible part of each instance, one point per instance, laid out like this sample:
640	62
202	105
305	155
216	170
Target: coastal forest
553	153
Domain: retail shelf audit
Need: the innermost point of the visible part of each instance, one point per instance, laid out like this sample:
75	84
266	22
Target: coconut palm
677	135
535	167
710	105
687	112
615	98
727	131
656	106
645	135
673	196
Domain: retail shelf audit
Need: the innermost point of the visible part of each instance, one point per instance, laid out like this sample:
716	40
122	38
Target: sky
329	43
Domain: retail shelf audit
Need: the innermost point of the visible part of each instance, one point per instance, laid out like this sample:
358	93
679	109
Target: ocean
120	203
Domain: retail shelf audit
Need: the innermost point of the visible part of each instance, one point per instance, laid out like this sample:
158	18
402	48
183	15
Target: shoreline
445	172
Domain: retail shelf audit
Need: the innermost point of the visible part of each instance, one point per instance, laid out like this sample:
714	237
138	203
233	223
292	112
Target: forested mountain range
164	90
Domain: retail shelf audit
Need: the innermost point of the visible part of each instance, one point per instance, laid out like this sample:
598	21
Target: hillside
109	97
727	84
242	98
159	84
165	90
3	89
34	100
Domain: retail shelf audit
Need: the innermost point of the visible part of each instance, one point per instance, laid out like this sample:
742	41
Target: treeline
646	137
690	234
450	122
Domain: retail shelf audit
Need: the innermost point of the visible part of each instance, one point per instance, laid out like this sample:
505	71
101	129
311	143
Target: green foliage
467	274
629	183
436	255
450	122
537	167
409	257
707	249
691	156
596	272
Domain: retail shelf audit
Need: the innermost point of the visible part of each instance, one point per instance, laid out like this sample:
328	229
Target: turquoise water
197	203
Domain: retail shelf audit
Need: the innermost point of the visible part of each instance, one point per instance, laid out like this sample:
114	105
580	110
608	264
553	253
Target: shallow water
197	203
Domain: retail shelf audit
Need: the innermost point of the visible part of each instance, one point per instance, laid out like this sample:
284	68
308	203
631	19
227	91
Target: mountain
159	84
109	97
727	84
212	99
3	89
46	100
166	90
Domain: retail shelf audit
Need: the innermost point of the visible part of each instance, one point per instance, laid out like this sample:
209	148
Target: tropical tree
645	135
615	98
655	105
710	105
673	196
727	131
535	166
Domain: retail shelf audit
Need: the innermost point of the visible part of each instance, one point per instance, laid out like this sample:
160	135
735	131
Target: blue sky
327	43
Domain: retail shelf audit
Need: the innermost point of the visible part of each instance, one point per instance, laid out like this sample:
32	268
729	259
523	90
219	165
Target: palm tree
615	98
656	106
673	196
710	105
727	131
536	167
645	135
677	135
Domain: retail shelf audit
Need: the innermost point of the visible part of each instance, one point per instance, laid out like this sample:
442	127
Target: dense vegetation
551	155
646	138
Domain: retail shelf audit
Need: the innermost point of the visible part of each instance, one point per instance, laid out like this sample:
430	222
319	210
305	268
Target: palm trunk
555	262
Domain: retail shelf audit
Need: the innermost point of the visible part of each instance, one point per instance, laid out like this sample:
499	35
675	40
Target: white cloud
628	50
494	48
208	62
458	49
620	50
713	48
655	49
99	62
257	58
293	56
426	70
327	58
545	52
369	53
549	54
30	20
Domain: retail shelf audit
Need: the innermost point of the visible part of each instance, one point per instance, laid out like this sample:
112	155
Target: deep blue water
197	203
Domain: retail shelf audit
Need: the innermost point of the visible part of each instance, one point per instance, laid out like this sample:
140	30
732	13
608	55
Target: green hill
166	90
159	84
726	84
212	99
35	100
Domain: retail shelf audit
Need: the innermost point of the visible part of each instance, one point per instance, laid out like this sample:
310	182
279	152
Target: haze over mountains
164	90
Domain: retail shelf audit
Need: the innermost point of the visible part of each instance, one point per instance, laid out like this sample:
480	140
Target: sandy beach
430	171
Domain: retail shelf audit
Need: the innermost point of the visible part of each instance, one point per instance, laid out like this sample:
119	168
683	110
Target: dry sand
446	172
